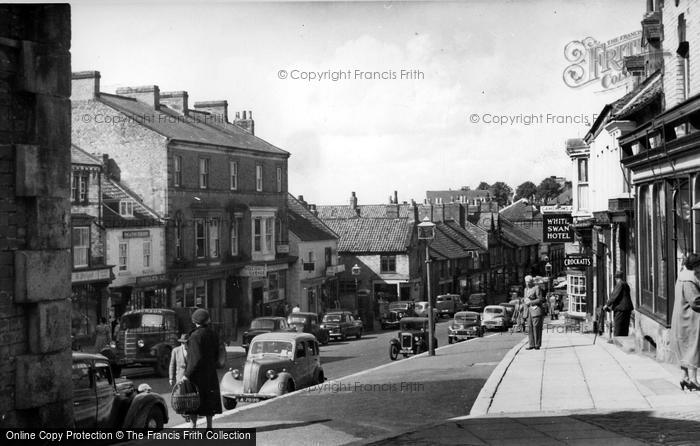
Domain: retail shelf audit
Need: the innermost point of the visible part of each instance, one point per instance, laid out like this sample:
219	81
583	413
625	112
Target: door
84	400
301	366
257	302
105	393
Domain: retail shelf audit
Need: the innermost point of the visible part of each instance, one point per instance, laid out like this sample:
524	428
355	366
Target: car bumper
249	397
461	336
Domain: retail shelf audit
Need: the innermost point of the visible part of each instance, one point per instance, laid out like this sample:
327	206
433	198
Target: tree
483	186
527	190
549	188
501	193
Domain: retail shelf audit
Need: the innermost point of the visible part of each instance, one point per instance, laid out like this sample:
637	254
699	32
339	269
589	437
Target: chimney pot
247	122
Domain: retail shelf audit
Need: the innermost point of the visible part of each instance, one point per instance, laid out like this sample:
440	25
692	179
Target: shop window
682	223
660	240
81	247
646	267
123	256
388	264
577	294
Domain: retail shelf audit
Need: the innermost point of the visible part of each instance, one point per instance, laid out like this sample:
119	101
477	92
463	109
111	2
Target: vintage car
510	312
476	302
308	323
277	363
465	325
411	339
395	312
448	304
341	325
262	325
102	402
421	310
495	317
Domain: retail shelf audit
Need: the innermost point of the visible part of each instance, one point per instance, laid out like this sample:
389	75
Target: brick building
35	256
91	275
221	189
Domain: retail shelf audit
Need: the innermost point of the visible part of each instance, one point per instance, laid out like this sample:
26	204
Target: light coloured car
495	317
465	325
277	363
421	310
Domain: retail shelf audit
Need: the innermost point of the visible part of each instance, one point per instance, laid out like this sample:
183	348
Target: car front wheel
358	335
393	352
449	340
155	419
230	403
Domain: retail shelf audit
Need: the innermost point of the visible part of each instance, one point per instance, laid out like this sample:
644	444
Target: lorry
448	304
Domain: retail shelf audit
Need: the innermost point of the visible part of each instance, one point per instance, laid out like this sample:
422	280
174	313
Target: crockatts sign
577	261
556	228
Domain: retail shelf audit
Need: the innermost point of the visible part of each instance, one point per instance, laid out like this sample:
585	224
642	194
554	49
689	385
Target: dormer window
126	208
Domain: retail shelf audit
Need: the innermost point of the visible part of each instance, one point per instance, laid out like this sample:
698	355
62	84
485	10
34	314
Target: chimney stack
219	109
396	197
353	201
147	94
85	85
175	100
246	123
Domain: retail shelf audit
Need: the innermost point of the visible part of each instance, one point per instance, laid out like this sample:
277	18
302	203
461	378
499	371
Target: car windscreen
421	306
331	318
412	325
475	299
465	319
262	324
141	320
398	306
440	299
282	348
296	319
494	310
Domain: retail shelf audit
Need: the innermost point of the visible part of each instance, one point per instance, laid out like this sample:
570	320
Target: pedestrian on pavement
685	322
178	360
296	309
553	309
534	311
202	356
620	303
103	334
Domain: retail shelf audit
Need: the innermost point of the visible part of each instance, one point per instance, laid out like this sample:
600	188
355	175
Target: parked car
465	325
421	310
510	311
448	304
260	325
395	312
412	338
341	324
102	402
277	363
476	302
308	323
495	317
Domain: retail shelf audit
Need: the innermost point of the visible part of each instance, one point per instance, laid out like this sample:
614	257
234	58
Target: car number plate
248	399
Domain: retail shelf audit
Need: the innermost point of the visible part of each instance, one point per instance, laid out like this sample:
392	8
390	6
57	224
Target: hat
200	316
528	278
692	261
183	338
619	275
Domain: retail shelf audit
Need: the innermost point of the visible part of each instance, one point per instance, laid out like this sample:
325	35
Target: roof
112	193
366	210
304	224
79	156
521	210
283	336
372	234
451	242
191	129
639	97
516	235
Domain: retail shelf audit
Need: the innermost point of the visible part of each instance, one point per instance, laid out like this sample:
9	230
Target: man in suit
532	306
620	303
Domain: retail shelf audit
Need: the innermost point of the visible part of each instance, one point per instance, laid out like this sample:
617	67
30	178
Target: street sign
556	228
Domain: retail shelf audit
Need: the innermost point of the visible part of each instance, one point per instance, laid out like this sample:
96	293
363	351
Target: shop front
266	285
90	303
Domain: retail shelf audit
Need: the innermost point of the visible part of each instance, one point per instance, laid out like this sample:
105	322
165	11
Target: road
339	359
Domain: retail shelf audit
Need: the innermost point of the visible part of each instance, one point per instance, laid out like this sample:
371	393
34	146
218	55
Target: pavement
572	391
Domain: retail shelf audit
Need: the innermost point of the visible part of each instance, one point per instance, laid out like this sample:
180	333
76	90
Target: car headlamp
113	344
140	343
236	374
271	374
417	338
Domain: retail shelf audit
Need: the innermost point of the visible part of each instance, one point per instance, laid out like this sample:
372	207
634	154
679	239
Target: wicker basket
185	397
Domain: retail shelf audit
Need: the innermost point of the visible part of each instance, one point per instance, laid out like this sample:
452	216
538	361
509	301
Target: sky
482	98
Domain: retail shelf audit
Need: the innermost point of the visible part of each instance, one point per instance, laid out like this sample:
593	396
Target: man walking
620	304
534	312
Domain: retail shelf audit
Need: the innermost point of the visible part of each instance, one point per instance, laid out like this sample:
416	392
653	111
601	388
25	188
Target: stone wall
35	263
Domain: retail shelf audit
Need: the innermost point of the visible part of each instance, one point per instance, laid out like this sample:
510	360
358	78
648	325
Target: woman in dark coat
202	356
620	303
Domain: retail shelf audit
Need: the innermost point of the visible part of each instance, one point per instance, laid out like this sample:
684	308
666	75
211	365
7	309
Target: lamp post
356	273
548	270
426	231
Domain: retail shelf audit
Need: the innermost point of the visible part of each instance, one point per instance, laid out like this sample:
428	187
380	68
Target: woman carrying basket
202	356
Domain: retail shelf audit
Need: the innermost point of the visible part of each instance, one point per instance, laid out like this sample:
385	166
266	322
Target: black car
308	323
412	338
395	312
102	402
262	325
341	324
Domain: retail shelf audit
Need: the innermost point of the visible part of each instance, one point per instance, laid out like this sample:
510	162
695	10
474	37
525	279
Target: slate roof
79	156
518	211
304	224
189	129
516	235
452	242
376	235
112	193
366	211
639	97
478	234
